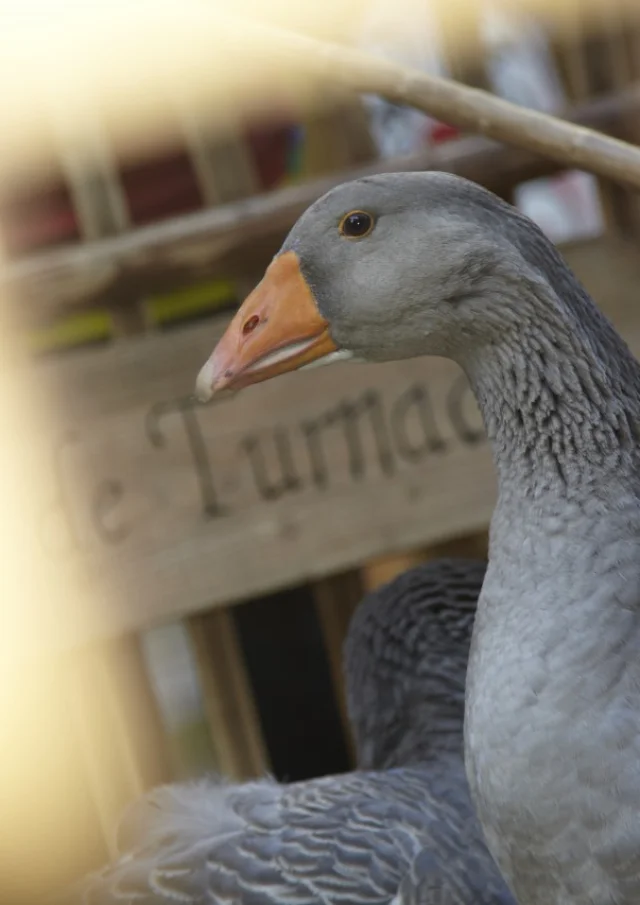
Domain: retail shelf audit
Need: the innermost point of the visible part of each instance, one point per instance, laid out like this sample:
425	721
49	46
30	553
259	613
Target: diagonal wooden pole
231	66
467	108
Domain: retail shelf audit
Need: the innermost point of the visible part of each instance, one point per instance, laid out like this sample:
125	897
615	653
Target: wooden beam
117	721
230	708
180	508
382	569
222	161
91	176
227	239
600	51
467	108
336	599
458	28
71	760
118	727
250	60
470	546
335	140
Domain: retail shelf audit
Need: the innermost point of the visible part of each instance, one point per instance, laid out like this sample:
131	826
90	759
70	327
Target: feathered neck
559	390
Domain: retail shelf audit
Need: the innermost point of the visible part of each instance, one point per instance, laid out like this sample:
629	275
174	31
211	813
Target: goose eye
356	225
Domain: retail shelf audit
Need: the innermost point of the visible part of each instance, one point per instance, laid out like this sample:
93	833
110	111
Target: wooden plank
336	139
117	727
43	787
222	161
470	546
97	195
71	760
336	599
382	569
226	170
177	507
608	69
136	372
227	240
570	51
229	705
633	39
462	45
621	205
116	719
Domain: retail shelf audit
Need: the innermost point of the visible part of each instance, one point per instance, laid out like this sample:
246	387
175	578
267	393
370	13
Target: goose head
383	268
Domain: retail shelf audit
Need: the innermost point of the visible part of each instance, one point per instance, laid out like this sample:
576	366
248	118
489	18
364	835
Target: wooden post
568	49
117	719
336	599
610	69
459	27
383	569
336	138
118	727
379	571
596	59
98	198
230	708
222	161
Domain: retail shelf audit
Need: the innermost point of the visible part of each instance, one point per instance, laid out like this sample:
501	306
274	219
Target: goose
401	828
396	266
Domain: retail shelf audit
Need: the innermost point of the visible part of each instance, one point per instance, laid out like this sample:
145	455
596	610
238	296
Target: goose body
400	829
399	265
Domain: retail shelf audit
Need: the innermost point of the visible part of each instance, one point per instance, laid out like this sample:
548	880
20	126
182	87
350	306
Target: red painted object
155	188
33	221
160	187
441	132
270	147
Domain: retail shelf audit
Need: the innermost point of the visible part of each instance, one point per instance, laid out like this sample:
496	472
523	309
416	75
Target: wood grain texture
336	599
244	235
381	569
229	704
177	507
464	107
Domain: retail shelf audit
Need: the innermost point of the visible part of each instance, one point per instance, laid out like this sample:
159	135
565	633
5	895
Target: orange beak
278	328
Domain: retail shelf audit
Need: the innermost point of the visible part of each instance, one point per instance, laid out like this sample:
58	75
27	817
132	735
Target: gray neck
552	667
559	394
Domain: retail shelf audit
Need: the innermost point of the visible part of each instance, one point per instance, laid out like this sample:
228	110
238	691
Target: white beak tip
204	382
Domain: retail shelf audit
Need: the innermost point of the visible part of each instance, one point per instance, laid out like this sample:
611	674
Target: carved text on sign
405	431
368	435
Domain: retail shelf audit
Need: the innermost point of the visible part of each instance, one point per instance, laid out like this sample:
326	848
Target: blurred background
177	579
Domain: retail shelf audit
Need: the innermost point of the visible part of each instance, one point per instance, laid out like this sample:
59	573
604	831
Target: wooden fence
329	481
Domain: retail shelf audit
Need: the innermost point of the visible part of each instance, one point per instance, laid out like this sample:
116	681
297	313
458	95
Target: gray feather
403	832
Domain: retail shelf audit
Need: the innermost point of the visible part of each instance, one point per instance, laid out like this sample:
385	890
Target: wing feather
356	839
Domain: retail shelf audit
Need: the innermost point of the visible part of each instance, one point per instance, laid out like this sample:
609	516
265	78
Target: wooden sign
176	507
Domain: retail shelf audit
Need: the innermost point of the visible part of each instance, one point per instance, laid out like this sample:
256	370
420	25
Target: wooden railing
186	511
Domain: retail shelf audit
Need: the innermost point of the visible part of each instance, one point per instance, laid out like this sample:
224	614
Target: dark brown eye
356	225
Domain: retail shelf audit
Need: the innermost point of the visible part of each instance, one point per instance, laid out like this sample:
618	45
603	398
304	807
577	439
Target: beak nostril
250	325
